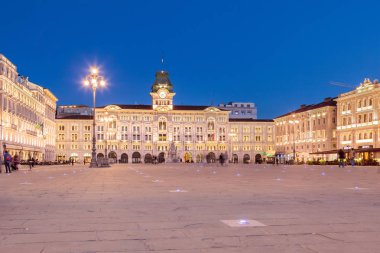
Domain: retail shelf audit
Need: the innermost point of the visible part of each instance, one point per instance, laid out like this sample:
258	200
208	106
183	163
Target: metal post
93	163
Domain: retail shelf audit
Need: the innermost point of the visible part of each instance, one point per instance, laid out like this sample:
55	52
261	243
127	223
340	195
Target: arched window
365	102
365	135
370	135
360	136
162	124
211	125
343	107
370	102
359	104
348	106
344	138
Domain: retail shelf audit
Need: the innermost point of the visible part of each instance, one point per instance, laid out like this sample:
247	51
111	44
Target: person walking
16	162
221	159
352	159
30	163
72	161
341	157
7	161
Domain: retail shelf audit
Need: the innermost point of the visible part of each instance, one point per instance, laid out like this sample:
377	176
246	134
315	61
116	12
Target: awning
327	152
367	150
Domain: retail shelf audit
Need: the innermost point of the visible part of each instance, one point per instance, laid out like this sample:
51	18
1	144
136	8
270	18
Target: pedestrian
72	162
7	161
16	162
352	160
221	159
341	157
84	161
33	161
30	163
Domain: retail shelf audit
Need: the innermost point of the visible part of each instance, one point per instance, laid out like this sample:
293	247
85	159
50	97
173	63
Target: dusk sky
277	54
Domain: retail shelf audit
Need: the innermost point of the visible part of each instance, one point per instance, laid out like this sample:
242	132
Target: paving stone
120	210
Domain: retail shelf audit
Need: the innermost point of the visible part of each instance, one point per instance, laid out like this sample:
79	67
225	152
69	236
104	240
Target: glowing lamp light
102	83
86	82
94	71
93	81
243	222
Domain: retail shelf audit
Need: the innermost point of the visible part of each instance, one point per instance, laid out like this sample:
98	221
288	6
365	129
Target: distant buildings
240	110
307	133
31	125
27	115
358	128
71	110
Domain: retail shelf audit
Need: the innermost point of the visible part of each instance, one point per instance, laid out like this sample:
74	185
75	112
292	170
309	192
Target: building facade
72	110
240	110
27	115
308	133
358	127
138	133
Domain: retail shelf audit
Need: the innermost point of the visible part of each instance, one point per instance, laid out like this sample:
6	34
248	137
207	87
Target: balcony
34	133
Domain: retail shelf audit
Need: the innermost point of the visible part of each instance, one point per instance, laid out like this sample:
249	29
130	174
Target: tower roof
162	81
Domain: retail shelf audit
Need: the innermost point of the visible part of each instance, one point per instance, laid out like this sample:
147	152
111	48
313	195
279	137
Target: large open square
190	208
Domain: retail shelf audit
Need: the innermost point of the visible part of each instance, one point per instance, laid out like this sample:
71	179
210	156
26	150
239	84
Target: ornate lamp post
94	80
294	122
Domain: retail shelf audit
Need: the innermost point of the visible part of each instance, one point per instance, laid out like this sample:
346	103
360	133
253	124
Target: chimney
302	106
327	99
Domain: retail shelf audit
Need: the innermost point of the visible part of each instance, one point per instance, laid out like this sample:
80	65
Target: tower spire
162	61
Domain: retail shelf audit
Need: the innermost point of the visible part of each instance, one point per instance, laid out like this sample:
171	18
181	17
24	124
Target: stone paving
181	208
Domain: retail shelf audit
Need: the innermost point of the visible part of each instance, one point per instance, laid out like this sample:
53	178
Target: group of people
13	163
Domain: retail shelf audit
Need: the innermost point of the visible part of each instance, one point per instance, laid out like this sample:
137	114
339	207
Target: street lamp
293	122
94	80
106	163
231	135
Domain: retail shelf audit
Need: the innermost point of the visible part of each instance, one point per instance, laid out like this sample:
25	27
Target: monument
172	153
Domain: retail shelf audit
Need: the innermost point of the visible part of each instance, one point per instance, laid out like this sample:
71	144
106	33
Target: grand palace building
136	133
27	115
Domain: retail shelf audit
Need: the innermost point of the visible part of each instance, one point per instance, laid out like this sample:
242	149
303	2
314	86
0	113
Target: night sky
278	54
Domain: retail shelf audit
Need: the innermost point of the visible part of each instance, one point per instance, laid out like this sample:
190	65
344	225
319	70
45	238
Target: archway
187	158
86	158
199	158
210	158
124	158
258	158
112	157
148	158
235	158
161	157
246	158
136	157
100	155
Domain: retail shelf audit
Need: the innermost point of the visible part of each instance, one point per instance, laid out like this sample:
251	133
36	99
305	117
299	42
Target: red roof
251	120
329	102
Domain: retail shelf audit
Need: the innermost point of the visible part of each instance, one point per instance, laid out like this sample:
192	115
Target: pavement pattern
186	208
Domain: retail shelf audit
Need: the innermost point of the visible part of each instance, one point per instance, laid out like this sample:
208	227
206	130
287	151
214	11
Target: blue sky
278	54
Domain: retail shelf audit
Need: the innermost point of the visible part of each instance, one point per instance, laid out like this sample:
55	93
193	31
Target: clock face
162	94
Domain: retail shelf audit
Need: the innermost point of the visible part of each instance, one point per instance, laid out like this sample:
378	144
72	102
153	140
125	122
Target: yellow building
358	121
27	115
308	133
137	133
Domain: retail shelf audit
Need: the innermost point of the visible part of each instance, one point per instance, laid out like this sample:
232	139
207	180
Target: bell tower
162	92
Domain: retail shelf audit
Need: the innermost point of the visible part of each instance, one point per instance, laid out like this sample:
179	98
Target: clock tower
162	92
